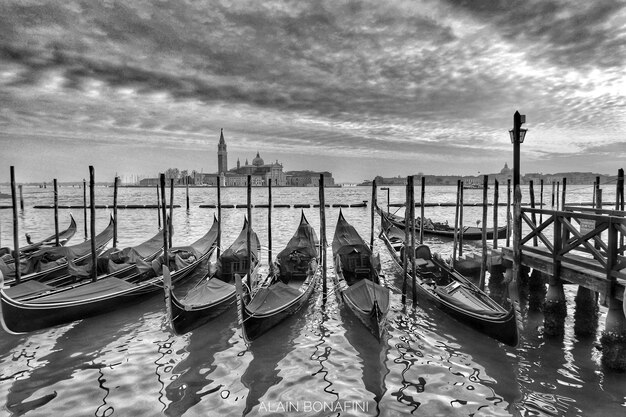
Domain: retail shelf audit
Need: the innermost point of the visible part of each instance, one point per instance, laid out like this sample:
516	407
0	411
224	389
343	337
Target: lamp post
517	137
386	188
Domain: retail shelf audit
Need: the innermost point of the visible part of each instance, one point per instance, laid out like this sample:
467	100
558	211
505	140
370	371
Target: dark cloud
567	33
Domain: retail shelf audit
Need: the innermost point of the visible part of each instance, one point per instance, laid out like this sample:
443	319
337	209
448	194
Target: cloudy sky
360	88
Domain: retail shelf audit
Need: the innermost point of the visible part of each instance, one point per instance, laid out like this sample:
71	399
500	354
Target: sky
358	88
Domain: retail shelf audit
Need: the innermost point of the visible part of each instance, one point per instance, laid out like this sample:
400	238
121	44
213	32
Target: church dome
506	170
257	161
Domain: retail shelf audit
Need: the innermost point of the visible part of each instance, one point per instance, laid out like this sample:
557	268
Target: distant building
309	178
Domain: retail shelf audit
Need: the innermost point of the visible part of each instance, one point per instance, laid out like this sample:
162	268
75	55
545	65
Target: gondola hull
499	324
185	319
257	324
26	317
467	232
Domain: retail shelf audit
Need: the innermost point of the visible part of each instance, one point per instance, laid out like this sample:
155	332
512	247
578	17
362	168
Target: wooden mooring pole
163	214
422	197
16	245
159	205
483	262
495	213
21	198
115	184
456	222
187	190
461	220
412	258
56	212
249	231
405	252
85	205
92	223
219	217
508	213
269	224
372	207
323	234
170	219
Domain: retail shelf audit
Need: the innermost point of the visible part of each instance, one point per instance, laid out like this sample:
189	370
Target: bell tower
222	164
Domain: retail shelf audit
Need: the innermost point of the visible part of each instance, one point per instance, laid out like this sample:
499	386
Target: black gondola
357	278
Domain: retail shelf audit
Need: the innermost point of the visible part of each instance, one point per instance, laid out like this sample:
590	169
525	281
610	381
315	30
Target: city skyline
358	89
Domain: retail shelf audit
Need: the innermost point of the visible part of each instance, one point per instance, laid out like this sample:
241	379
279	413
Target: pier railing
585	238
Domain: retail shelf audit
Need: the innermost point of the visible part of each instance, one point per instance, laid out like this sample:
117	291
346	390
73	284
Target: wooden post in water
619	205
249	231
56	212
554	307
187	190
558	186
483	263
532	205
170	220
159	205
407	241
461	220
372	206
456	221
541	201
163	206
85	205
563	195
413	279
508	212
16	245
495	213
219	218
21	198
323	234
92	223
422	195
269	224
115	182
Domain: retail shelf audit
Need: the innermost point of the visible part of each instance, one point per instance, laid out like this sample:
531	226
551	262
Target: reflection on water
129	363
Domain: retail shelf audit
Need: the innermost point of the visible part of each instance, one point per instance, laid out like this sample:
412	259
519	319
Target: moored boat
64	237
51	263
287	288
443	229
215	292
357	278
450	290
110	291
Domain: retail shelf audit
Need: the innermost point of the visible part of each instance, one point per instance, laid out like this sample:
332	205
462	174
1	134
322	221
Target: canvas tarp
300	249
364	292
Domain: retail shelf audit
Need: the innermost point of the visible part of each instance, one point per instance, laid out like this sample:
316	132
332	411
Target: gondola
51	264
108	292
443	229
215	292
357	278
64	237
450	290
288	286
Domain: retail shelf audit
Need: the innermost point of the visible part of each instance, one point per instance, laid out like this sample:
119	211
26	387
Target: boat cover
47	258
466	301
24	289
270	298
99	288
238	251
301	248
208	292
364	292
347	239
115	259
181	256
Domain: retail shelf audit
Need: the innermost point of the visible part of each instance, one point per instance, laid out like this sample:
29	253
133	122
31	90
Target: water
129	363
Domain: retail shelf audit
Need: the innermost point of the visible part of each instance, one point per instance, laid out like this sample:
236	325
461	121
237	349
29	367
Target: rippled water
128	362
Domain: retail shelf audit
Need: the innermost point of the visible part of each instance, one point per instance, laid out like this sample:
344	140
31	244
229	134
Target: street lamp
386	188
517	136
